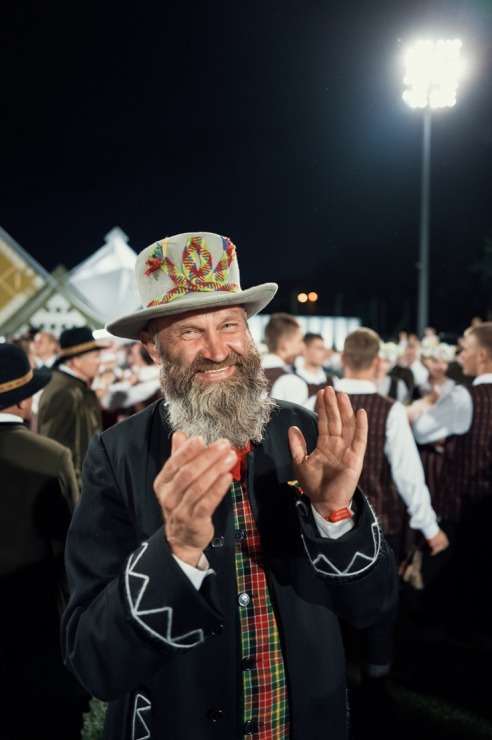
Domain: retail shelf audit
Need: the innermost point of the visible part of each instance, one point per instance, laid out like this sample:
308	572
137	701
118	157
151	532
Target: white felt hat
185	272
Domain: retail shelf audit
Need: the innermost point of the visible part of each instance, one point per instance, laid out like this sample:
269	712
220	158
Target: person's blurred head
45	345
314	351
19	381
361	348
360	356
389	352
411	352
80	352
283	337
476	354
436	359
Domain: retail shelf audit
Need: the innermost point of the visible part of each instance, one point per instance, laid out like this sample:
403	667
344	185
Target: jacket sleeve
359	567
131	606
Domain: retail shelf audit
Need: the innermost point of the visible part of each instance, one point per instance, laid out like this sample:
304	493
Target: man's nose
214	347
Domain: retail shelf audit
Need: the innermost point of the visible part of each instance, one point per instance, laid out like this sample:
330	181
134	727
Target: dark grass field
440	687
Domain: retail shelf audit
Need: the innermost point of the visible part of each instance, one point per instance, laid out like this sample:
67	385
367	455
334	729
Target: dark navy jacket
166	656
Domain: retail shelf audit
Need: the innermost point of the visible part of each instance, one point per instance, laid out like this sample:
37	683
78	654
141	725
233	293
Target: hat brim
252	299
69	355
39	380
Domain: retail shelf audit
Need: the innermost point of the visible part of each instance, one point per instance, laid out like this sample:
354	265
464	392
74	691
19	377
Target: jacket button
217	542
250	727
248	663
243	599
215	715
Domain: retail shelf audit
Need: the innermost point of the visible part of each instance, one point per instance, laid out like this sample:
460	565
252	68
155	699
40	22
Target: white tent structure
106	279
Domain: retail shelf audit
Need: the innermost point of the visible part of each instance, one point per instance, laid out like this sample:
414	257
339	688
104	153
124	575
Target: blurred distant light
433	70
311	297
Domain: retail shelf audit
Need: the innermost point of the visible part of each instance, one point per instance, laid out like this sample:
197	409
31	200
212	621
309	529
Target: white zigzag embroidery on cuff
142	704
335	572
183	642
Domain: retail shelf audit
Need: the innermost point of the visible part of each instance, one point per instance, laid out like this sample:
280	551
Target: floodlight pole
432	72
423	264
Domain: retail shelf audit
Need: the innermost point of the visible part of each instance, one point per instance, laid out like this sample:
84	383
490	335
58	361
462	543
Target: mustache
201	364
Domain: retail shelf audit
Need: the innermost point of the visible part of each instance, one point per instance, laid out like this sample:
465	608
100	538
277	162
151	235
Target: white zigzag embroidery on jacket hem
137	613
336	572
138	715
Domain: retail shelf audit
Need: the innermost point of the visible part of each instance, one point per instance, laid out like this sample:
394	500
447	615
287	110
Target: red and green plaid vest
265	699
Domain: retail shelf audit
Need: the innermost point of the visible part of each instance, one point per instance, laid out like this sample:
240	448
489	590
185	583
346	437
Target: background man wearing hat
68	409
38	696
205	585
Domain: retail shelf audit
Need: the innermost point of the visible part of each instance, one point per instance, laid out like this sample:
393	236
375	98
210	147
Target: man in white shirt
360	359
392	473
284	340
411	359
46	348
310	364
463	417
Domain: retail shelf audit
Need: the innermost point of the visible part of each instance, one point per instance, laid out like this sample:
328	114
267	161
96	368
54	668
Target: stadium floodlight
433	70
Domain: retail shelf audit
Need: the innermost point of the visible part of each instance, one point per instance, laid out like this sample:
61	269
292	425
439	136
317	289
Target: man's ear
148	340
484	355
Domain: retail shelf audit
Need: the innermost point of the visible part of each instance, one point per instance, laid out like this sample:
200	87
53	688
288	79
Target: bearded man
219	534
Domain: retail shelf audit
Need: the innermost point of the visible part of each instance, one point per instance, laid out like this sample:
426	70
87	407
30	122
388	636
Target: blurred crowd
414	457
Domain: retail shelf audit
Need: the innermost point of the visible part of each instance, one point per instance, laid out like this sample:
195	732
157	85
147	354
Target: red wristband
339	515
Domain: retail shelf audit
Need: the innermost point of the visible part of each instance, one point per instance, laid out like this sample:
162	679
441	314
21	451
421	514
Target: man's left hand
329	475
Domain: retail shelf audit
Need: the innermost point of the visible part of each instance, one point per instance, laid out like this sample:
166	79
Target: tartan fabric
265	698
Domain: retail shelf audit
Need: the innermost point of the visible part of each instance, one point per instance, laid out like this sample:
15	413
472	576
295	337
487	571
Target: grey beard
237	409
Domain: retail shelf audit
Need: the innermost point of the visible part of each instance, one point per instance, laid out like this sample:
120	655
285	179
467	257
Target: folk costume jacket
69	412
167	656
38	490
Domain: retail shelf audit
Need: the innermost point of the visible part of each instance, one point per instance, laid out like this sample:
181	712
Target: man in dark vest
310	364
283	338
220	535
463	417
393	478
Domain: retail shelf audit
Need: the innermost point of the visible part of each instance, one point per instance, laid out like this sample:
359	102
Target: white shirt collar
10	418
354	385
485	378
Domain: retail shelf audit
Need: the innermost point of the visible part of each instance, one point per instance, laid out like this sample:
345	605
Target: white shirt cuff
332	530
198	574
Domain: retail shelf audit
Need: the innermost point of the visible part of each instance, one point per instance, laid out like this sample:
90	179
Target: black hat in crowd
18	380
77	341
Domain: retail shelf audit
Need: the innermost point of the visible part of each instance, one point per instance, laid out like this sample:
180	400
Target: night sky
278	123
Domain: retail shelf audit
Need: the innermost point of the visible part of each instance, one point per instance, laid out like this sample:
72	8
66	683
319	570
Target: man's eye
187	333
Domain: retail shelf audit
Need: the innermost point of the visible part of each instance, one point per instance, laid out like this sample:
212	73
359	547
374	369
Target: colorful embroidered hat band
187	272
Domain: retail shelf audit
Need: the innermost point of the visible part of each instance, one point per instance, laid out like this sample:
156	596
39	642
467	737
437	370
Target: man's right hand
438	543
190	486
